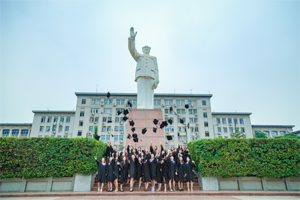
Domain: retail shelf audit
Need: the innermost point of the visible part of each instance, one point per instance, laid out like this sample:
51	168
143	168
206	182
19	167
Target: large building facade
96	110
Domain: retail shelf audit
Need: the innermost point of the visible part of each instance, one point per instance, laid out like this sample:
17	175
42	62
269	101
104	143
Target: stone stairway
126	188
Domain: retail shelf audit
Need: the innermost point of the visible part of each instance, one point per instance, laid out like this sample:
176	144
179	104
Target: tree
259	134
96	132
289	135
237	133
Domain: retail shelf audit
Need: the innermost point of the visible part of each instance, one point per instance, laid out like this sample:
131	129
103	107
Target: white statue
146	73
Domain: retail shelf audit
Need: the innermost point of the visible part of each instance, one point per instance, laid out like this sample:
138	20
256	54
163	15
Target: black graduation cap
144	130
130	104
108	95
154	129
178	133
131	123
186	106
97	137
171	109
112	135
134	135
125	112
135	139
181	121
169	137
155	121
125	118
132	129
129	136
188	126
109	121
119	112
163	124
170	121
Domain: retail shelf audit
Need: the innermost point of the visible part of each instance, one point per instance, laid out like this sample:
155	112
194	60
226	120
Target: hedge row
46	157
274	158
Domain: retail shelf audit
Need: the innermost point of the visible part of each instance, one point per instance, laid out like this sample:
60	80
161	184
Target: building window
267	133
83	101
80	123
116	137
60	128
92	119
117	119
235	121
120	137
96	119
195	120
107	137
192	129
40	136
282	133
68	119
62	119
205	114
196	129
241	121
55	119
219	130
53	128
193	111
243	129
230	129
179	128
102	137
223	120
49	119
109	128
171	128
116	128
47	128
191	120
95	110
192	103
157	102
66	128
79	133
107	110
104	119
96	101
43	119
121	128
229	121
224	129
274	133
81	113
5	132
166	111
169	102
65	136
167	129
203	103
179	102
205	124
41	128
180	111
91	128
103	128
218	121
206	134
15	132
24	132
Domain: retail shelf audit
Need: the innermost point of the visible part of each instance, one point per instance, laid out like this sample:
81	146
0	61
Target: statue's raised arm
131	44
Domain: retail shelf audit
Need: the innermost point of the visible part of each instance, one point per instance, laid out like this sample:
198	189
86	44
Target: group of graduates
136	164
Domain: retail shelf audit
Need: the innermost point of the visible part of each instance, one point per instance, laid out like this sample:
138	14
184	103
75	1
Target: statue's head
146	50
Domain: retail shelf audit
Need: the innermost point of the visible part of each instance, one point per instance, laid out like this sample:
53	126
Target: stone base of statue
143	118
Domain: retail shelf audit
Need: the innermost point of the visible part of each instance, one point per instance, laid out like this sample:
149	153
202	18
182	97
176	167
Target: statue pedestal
143	118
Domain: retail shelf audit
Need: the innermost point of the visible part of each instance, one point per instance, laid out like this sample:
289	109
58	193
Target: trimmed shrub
274	158
45	157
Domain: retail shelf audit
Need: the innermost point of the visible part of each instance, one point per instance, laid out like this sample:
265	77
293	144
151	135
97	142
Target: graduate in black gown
132	168
124	172
102	171
189	165
171	172
159	177
165	172
181	172
152	164
116	172
110	174
147	177
140	171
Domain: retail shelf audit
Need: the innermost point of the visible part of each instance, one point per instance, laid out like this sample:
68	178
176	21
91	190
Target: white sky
245	53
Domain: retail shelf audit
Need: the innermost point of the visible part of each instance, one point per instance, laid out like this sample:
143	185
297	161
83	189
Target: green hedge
274	158
45	157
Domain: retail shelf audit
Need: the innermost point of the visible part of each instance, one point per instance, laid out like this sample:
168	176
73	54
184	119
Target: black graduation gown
116	170
124	172
153	169
152	151
189	173
147	177
140	170
171	169
180	171
165	171
132	167
185	155
102	170
159	178
110	172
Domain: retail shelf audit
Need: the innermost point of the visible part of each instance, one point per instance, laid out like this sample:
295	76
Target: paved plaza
158	198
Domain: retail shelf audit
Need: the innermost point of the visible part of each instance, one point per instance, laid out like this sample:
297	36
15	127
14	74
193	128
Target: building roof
15	124
54	111
296	132
231	113
135	94
274	126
